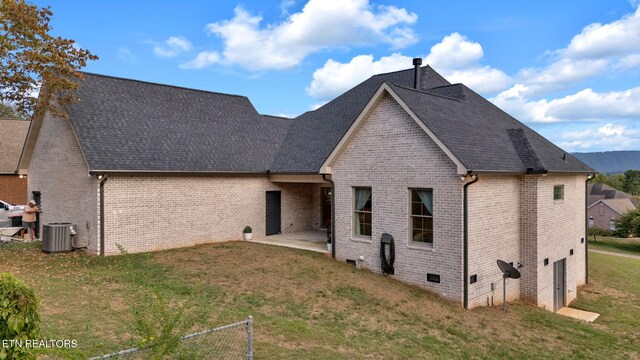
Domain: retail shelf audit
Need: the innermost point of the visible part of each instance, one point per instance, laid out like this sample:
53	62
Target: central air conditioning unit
58	237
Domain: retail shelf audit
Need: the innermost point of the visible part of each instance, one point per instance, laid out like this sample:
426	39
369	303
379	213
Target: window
612	225
590	221
362	211
558	192
422	215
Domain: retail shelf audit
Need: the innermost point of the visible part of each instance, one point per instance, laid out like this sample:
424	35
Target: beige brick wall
494	233
560	229
391	154
58	170
516	219
147	213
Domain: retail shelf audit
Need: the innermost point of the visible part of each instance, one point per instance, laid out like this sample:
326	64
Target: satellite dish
508	271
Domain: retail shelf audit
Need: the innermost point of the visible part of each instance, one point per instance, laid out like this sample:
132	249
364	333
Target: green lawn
621	245
308	306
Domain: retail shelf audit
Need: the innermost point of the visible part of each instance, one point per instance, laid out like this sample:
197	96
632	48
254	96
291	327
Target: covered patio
305	240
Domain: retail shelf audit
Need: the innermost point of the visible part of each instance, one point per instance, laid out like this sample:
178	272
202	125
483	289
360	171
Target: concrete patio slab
307	240
578	314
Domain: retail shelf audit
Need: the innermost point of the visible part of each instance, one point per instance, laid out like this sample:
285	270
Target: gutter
465	240
104	180
333	214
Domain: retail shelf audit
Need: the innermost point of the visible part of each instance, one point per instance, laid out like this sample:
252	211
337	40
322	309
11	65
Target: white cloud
174	46
321	24
585	105
597	50
285	5
125	54
455	57
608	136
203	60
334	77
601	41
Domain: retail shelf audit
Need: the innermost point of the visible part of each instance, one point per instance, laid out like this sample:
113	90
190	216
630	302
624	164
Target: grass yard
307	306
621	245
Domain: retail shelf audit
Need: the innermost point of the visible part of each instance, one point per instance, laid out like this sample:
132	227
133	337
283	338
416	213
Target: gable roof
620	205
483	137
125	125
314	134
129	125
596	192
13	134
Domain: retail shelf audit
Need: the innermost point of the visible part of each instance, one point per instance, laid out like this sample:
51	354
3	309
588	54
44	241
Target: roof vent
416	73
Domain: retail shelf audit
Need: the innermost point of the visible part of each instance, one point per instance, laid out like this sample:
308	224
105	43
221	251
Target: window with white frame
612	225
362	206
590	221
421	222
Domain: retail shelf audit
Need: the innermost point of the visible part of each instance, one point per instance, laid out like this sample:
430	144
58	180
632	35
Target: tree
7	112
33	60
628	224
631	183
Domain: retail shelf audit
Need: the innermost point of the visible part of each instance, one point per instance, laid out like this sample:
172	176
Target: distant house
606	204
13	188
456	182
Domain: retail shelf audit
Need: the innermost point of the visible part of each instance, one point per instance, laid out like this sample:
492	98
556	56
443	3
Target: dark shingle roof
128	125
483	137
13	134
315	134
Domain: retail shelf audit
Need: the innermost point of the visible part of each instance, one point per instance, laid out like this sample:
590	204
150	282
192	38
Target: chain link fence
233	341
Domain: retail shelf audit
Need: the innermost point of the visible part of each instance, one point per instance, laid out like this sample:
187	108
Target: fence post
250	338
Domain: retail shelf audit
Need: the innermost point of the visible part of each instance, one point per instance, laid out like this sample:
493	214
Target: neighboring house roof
129	125
620	206
596	192
12	137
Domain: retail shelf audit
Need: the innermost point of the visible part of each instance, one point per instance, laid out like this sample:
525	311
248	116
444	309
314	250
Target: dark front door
36	198
559	287
273	213
325	206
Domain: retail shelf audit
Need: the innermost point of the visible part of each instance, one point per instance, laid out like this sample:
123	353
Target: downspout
465	241
104	180
333	214
586	228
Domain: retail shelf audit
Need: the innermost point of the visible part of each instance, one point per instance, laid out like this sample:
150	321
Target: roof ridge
164	85
425	92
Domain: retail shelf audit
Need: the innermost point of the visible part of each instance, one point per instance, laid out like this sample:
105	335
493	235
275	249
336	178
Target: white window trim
368	239
416	245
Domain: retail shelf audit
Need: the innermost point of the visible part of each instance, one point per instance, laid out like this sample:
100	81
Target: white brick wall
494	233
147	213
391	154
58	170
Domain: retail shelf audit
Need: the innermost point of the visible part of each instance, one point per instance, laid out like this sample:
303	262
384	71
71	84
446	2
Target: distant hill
611	162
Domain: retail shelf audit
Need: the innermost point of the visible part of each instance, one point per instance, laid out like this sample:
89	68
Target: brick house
13	188
454	180
606	204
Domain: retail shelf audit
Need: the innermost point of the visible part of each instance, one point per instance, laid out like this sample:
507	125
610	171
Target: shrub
19	318
594	231
247	230
628	224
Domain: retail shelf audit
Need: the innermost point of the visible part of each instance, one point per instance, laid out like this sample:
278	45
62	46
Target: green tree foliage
616	181
595	232
7	112
19	318
628	224
31	59
631	183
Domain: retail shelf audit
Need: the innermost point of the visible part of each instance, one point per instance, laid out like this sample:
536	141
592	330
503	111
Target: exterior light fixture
22	176
99	177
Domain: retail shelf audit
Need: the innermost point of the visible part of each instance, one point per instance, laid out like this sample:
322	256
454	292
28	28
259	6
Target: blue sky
568	69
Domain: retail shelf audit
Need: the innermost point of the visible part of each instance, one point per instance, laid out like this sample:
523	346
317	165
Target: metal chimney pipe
416	73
